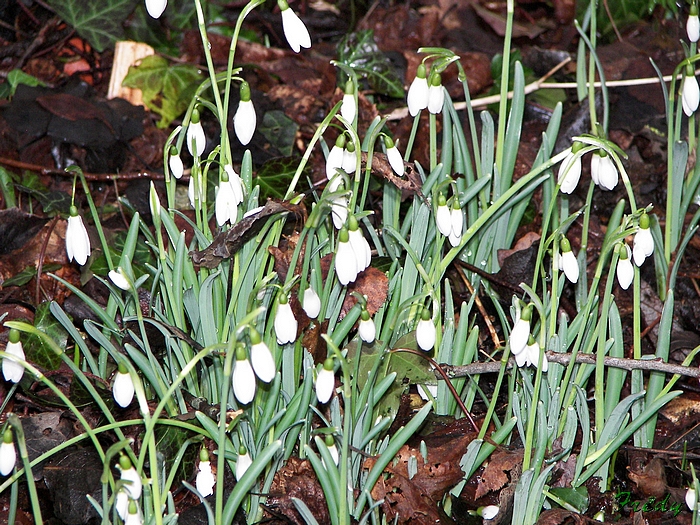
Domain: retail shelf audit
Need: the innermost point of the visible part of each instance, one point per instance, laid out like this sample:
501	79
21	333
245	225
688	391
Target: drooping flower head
329	441
228	196
285	322
243	462
177	168
570	169
77	239
360	246
243	377
425	331
443	217
436	94
334	161
456	222
133	485
603	170
348	108
624	270
261	357
520	334
418	92
312	302
8	455
643	241
244	120
692	26
205	479
345	259
394	156
567	261
155	8
349	158
325	381
120	279
366	329
295	30
123	387
11	370
196	140
690	95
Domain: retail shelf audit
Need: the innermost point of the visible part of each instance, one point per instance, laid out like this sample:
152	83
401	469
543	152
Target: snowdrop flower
345	259
228	196
312	302
118	277
155	8
325	381
11	370
567	261
436	94
520	334
691	499
77	239
244	120
603	170
294	29
570	170
692	26
360	246
134	516
531	355
418	92
456	222
205	480
131	489
489	512
261	358
348	108
339	211
332	449
394	156
349	158
366	328
334	161
243	378
690	96
175	164
643	241
123	387
243	462
8	456
624	270
425	331
443	216
196	141
285	322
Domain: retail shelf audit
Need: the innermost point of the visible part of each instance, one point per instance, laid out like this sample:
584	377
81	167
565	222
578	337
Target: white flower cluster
643	247
229	195
129	492
353	254
523	346
603	170
11	369
425	93
450	219
261	365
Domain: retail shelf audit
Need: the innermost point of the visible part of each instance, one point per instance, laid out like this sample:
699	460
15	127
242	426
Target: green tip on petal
425	315
526	313
242	451
14	336
204	454
352	223
173	151
123	369
73	211
644	221
282	299
283	5
132	507
350	87
689	71
388	141
340	141
124	462
364	315
245	91
194	119
602	153
241	353
442	201
7	436
565	245
254	336
343	235
530	340
577	146
436	80
328	364
621	251
693	10
421	71
329	441
350	147
455	203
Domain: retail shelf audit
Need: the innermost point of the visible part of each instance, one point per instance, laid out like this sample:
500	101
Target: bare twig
564	359
43	170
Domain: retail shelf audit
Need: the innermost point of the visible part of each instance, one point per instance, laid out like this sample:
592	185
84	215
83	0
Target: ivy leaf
98	22
360	52
26	275
167	90
275	175
279	130
51	201
39	352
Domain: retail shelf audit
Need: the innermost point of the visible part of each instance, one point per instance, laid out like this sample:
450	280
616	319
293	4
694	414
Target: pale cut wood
127	54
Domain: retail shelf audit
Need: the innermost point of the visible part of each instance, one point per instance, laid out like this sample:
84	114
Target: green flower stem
591	66
16	425
206	45
170	182
412	137
433	141
505	83
221	438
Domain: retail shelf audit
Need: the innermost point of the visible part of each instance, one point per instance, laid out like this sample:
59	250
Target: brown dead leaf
561	517
504	467
297	480
409	184
650	477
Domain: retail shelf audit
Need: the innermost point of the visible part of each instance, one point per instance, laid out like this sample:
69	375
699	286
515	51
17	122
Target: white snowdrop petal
244	121
334	161
156	8
205	480
325	383
426	334
285	324
77	240
345	263
243	379
436	99
295	31
8	457
11	370
443	219
367	330
196	140
123	389
242	465
519	336
691	95
418	95
263	362
312	303
625	273
569	173
569	264
395	160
